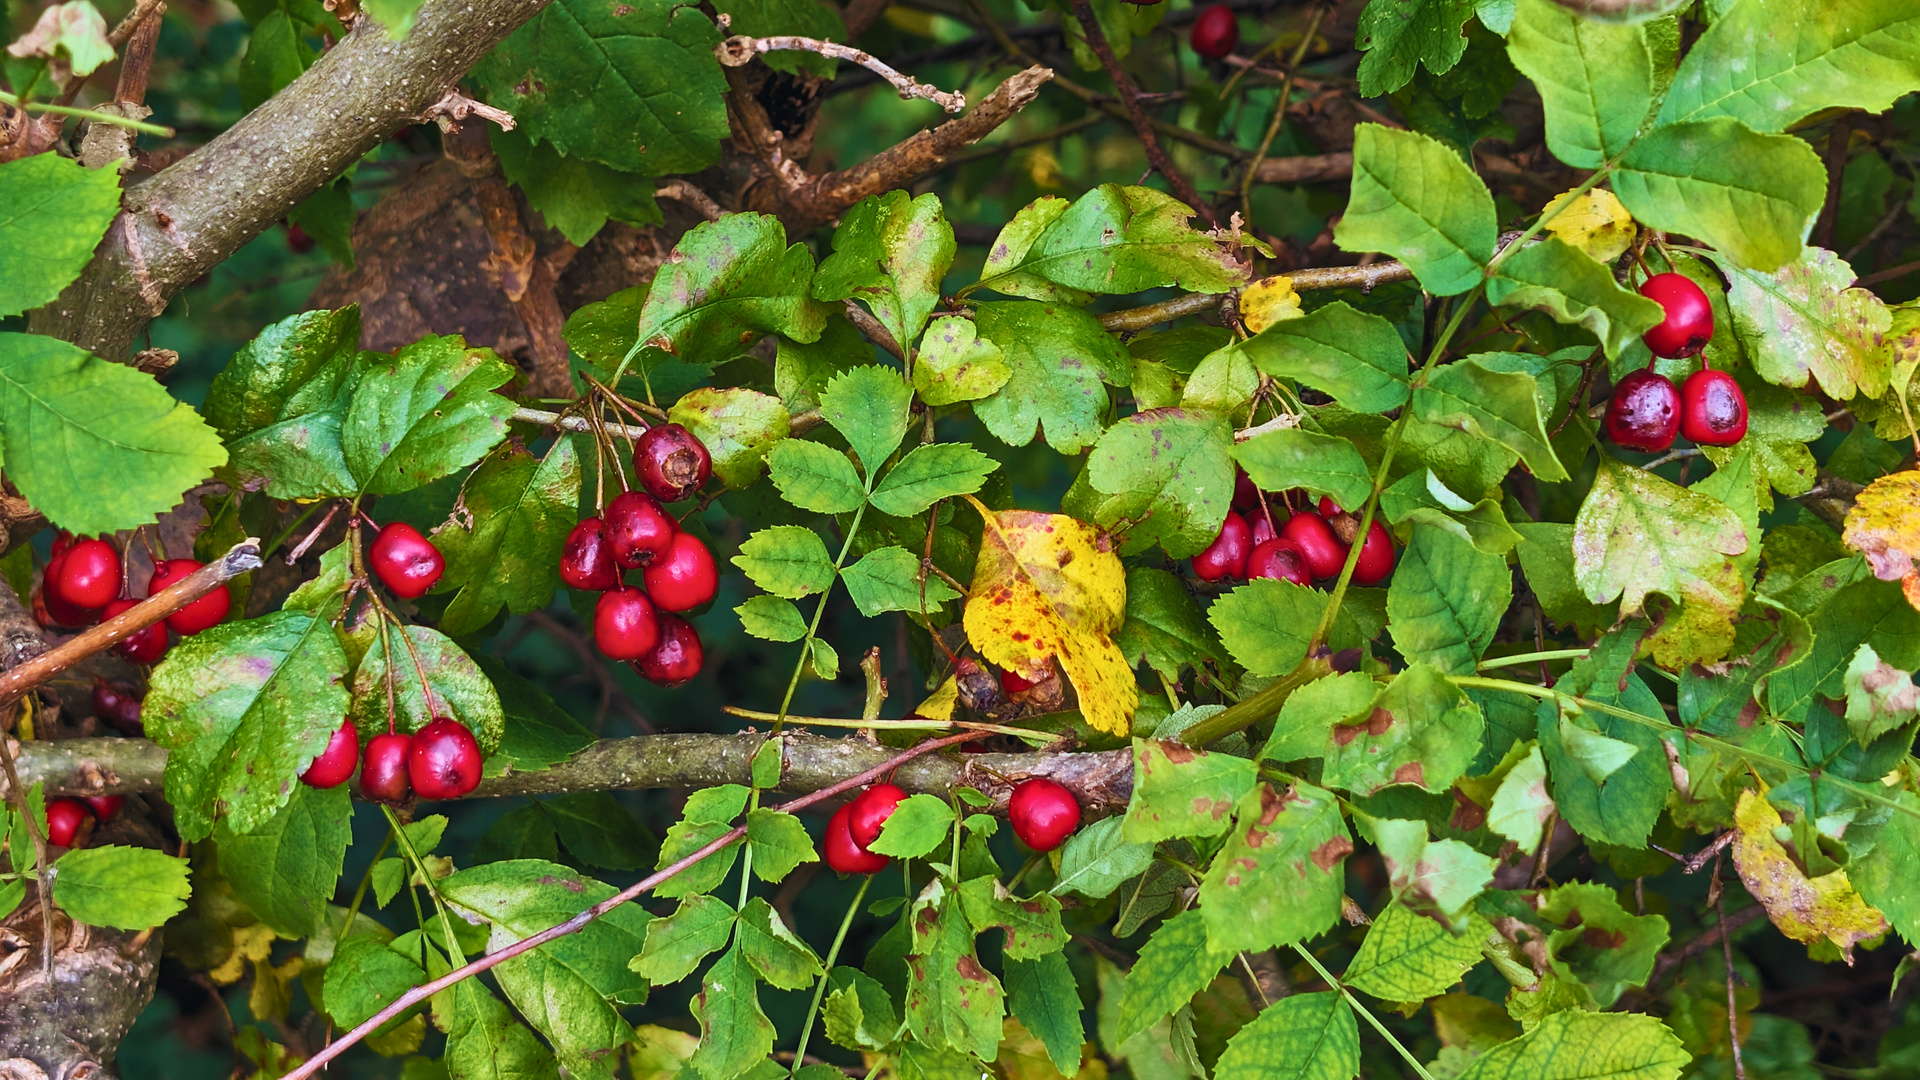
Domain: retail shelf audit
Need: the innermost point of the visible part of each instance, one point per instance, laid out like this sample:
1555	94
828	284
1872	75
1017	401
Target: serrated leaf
773	949
1636	533
955	364
1062	360
920	824
1437	878
1422	730
285	870
1594	221
1521	806
890	252
1595	78
1884	875
459	688
779	842
1357	357
1856	613
884	580
1420	498
1113	239
771	618
1167	471
1805	908
1623	810
1804	321
1032	925
1400	35
1266	624
485	1041
676	943
815	477
737	425
726	284
1416	201
858	1014
1164	627
1293	458
735	1034
1503	406
1303	728
1278	879
598	831
603	331
1409	957
868	406
1880	697
1042	996
1309	1036
1178	791
126	888
53	212
1098	858
503	544
1751	196
1575	1044
1566	283
572	194
1446	600
1779	425
1597	943
423	413
928	474
787	560
538	733
952	1001
1545	552
1175	964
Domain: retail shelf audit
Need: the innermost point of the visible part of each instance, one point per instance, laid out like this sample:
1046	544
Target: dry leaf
1884	525
1805	909
1268	301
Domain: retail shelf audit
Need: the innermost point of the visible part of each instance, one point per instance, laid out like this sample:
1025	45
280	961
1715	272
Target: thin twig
1279	113
1726	949
42	866
875	331
682	191
740	49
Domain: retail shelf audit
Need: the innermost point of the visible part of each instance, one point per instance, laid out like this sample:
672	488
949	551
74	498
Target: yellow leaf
1023	1057
1044	586
1268	301
249	943
1596	223
940	705
659	1052
1805	909
1884	525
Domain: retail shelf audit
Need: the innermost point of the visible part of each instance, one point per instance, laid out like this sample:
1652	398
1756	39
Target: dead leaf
1884	525
1268	301
1595	222
1805	909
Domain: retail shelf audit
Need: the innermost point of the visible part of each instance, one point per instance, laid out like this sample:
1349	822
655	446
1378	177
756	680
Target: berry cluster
1647	411
440	761
641	625
1261	539
85	582
71	821
1042	812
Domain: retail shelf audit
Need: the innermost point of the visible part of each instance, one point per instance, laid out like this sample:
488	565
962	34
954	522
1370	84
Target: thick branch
1306	169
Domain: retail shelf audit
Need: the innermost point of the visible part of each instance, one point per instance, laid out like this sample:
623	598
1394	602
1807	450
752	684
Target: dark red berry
65	819
677	658
1260	529
1313	537
298	241
336	763
671	463
1328	508
1644	412
685	577
1688	325
1226	557
52	609
1012	683
586	559
1245	495
90	574
383	773
1376	557
625	625
1043	813
1279	559
445	760
869	810
142	646
638	531
118	706
204	613
105	806
1215	32
841	853
405	561
1713	409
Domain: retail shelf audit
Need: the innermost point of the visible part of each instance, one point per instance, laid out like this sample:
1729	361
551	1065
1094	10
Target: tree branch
739	50
1183	189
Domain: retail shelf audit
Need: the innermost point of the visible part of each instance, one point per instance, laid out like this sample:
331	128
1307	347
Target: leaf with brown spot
1422	731
1266	887
1183	792
1803	908
1884	525
951	1000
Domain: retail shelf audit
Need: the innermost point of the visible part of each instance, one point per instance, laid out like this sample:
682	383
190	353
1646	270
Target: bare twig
874	330
454	107
1838	135
682	191
1279	112
1305	169
740	49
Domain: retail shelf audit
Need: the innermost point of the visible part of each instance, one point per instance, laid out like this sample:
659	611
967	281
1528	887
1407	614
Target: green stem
88	114
1529	657
1533	230
360	894
1405	1054
819	610
1255	707
433	887
820	988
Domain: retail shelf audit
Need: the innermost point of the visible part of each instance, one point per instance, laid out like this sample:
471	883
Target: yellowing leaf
1884	525
1046	585
1595	222
939	706
1268	301
1805	909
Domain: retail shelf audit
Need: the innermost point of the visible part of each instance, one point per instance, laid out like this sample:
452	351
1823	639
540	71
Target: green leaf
1597	943
1278	879
1164	628
1098	858
868	406
1416	201
1422	730
1545	551
884	580
890	252
485	1041
1357	357
1804	321
859	1015
244	708
637	88
1168	471
737	425
1596	79
955	364
1521	806
276	55
1503	406
424	413
1174	965
677	943
1308	1036
1779	425
280	402
1266	624
1569	285
1884	875
1574	1044
126	888
1624	809
708	815
96	447
1302	730
787	560
1419	498
573	194
825	662
1041	994
285	870
1752	196
1225	381
773	949
1114	239
1437	878
1183	792
1399	35
603	331
1409	957
920	824
503	543
1294	458
734	1033
815	477
779	843
772	618
538	734
727	283
365	976
53	212
1062	360
1637	533
460	688
1446	600
1032	926
1865	612
598	831
928	474
1880	697
951	1000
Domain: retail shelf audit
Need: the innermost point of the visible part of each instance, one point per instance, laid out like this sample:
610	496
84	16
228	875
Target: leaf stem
1527	658
433	889
1405	1054
94	115
820	988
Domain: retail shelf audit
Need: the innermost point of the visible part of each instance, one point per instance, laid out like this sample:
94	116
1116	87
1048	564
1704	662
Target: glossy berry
383	772
671	463
1245	495
625	624
638	531
869	810
1012	683
1043	813
841	853
105	806
1376	557
1260	529
445	761
1226	557
685	577
1323	552
677	658
1279	559
65	819
90	574
1215	32
336	763
117	706
1644	412
204	613
52	609
142	646
406	562
1328	509
586	559
1689	322
1713	410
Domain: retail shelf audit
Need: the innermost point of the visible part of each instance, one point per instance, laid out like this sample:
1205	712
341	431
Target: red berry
671	463
298	241
336	763
1688	325
204	613
90	574
869	810
586	559
1226	557
1043	813
685	577
1376	557
1313	537
1215	32
1012	683
116	705
105	806
677	658
1245	495
1328	508
405	561
1644	413
61	542
841	853
65	818
55	608
1279	559
383	774
445	761
638	531
142	646
1713	409
625	625
1260	529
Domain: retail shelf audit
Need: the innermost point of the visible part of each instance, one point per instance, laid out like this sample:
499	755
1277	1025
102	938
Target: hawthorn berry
299	241
50	608
1713	409
677	658
638	531
1644	412
65	819
1012	683
1246	495
142	646
204	613
117	706
1261	528
1278	559
445	760
685	577
1688	324
625	625
1376	557
406	562
105	806
671	463
841	853
336	763
1215	33
1043	813
869	810
586	559
1313	537
90	574
383	770
1226	557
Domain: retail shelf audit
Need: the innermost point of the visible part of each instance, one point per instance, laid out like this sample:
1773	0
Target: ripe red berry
1688	325
204	613
298	240
1644	412
336	763
142	646
1323	551
1279	559
65	818
1215	32
1376	557
52	609
625	625
405	561
445	761
1261	528
841	853
383	774
638	531
1245	495
586	559
869	810
90	574
105	806
671	463
1328	508
1012	683
685	577
1713	409
1226	557
677	658
1043	813
117	706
